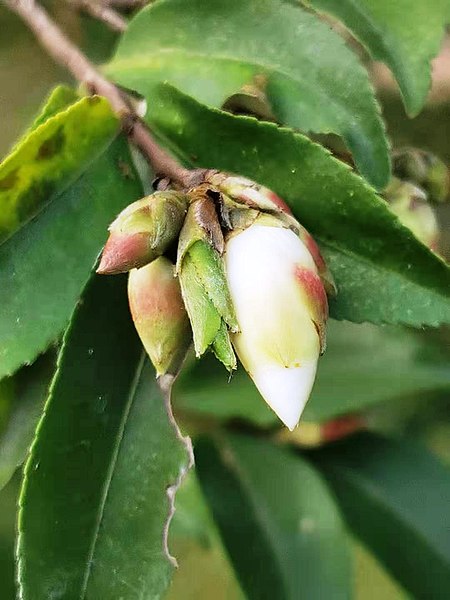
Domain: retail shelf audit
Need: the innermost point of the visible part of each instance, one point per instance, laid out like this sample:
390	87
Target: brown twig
102	12
126	3
64	52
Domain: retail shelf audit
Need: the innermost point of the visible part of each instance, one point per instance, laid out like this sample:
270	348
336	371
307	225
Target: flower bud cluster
227	266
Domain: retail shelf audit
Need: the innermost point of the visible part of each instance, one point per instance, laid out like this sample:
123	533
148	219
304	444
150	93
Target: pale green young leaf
45	265
51	157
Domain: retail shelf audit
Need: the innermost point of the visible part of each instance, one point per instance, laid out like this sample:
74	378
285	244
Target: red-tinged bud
248	192
281	309
259	198
159	314
143	231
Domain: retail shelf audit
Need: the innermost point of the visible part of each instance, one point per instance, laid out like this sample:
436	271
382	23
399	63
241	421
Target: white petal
286	391
278	343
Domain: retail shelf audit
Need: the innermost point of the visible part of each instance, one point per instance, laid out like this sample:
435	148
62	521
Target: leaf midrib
110	475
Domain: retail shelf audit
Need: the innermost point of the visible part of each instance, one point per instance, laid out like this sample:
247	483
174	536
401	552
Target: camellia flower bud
409	203
424	169
159	315
281	307
143	231
203	283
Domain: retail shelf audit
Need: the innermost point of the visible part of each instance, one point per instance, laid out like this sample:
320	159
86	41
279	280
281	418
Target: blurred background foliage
26	76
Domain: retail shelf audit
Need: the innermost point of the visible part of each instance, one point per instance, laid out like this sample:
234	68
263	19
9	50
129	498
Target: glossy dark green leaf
45	265
383	273
363	365
405	35
51	156
277	519
394	496
31	386
94	503
212	50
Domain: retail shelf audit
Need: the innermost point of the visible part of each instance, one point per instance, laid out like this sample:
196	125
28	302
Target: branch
65	53
102	12
126	3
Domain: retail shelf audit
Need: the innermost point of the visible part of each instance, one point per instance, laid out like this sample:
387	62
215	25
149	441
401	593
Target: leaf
383	273
51	157
31	385
394	496
60	98
94	505
7	391
405	35
196	541
46	264
364	365
211	50
278	522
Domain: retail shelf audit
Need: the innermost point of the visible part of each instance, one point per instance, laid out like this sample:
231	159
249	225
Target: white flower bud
281	307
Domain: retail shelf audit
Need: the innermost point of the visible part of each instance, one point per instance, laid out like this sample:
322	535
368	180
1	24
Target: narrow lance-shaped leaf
31	386
51	157
394	496
382	272
212	50
45	265
405	35
278	522
94	503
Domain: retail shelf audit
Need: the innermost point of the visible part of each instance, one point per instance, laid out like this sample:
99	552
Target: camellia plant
177	228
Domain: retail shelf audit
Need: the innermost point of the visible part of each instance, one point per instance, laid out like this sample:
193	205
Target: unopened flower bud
203	283
424	169
281	307
258	197
159	314
143	231
248	192
409	203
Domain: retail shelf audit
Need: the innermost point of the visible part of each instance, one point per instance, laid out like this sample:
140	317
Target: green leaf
383	273
51	157
61	98
196	541
277	520
363	365
211	50
7	392
405	35
46	264
394	496
31	385
94	504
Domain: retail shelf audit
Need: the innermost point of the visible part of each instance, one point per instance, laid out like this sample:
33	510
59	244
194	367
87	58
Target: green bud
203	282
159	314
424	169
409	203
143	231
